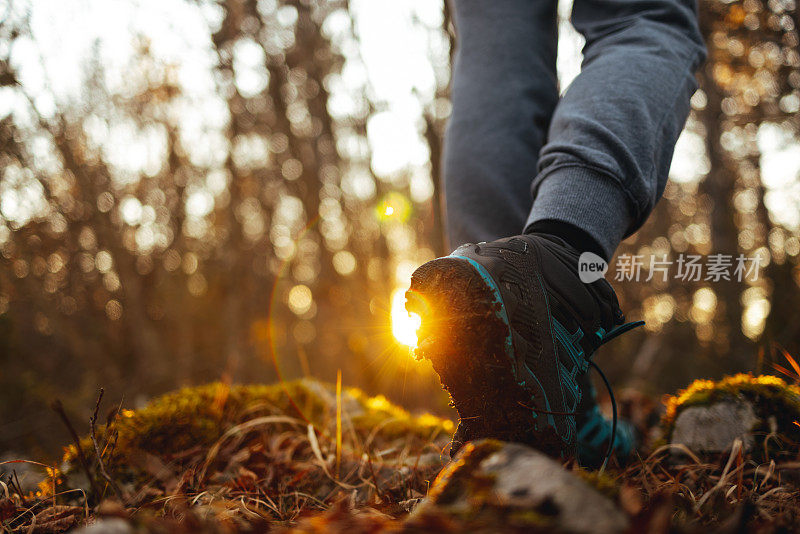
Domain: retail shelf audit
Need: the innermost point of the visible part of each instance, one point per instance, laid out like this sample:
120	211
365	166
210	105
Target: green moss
602	482
529	518
393	421
458	478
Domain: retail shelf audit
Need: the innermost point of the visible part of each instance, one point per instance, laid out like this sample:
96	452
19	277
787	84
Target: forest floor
309	457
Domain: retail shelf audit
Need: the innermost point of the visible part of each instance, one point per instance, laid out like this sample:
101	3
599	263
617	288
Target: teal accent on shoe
568	377
588	428
603	428
570	343
550	325
550	419
619	330
569	382
597	430
501	312
600	332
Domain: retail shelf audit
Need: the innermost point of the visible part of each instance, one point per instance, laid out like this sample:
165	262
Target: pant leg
613	133
504	90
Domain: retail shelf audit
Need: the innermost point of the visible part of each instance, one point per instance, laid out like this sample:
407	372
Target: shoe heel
466	338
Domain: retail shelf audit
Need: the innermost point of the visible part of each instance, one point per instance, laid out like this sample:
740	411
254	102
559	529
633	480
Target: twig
112	434
14	485
18	485
100	466
338	422
740	477
59	409
726	472
374	478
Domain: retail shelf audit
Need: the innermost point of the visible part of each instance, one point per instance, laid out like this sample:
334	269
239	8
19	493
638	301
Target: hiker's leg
611	139
504	91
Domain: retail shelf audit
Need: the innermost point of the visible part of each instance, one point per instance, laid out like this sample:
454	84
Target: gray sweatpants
599	156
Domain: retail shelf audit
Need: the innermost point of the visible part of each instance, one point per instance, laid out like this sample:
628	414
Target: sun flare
404	324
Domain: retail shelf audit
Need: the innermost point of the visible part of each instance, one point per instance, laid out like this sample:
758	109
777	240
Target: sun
404	324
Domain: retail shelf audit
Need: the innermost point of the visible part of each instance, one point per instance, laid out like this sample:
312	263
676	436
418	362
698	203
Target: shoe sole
466	334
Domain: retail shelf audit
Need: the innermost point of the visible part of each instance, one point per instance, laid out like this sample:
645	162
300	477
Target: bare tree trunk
719	185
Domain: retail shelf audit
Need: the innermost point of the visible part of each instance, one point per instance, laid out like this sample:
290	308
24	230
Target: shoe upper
557	321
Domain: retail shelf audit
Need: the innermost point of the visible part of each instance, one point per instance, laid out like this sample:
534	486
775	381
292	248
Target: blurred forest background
240	189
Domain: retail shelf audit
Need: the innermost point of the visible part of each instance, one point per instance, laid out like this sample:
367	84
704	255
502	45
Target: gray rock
27	475
514	481
111	525
715	427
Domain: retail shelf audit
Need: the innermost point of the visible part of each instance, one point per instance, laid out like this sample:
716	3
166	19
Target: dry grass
267	468
333	460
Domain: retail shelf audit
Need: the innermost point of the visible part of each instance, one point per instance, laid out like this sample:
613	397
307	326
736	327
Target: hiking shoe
510	329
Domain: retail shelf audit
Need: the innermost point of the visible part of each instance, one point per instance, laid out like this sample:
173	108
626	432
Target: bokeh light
393	207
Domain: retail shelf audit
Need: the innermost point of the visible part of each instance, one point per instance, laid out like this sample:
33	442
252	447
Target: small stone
714	428
490	482
113	525
28	477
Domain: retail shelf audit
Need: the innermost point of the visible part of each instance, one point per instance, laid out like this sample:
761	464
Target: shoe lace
605	338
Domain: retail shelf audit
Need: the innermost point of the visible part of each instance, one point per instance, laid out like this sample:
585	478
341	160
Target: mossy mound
464	494
490	483
299	436
199	416
775	403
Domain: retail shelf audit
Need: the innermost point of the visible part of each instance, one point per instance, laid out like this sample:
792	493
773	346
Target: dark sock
577	238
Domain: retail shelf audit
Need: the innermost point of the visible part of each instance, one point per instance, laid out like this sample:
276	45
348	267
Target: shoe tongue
555	239
602	288
566	247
